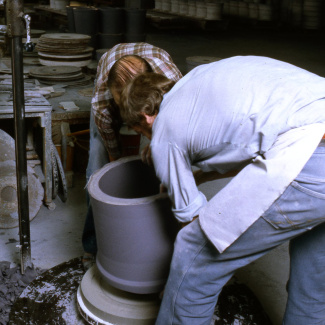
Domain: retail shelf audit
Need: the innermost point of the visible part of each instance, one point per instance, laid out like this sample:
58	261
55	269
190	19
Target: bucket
253	11
214	11
201	10
135	226
183	8
265	12
86	20
225	9
175	6
158	4
192	9
60	4
135	21
107	41
243	9
167	6
233	8
111	20
70	16
296	14
312	14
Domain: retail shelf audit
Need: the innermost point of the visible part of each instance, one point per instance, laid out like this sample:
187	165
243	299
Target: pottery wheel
99	303
8	194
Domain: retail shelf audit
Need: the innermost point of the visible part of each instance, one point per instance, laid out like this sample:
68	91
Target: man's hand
146	155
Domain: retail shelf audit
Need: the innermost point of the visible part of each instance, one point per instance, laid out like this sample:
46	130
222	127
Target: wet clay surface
12	284
51	298
237	305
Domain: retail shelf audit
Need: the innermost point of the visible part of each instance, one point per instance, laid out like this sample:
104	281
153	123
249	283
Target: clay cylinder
135	227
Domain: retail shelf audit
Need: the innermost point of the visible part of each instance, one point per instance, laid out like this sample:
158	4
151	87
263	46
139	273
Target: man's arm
173	168
203	177
108	121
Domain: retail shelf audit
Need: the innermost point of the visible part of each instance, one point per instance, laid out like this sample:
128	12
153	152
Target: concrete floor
56	235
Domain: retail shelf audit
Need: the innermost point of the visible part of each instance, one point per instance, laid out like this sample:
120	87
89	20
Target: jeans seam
285	217
307	191
184	274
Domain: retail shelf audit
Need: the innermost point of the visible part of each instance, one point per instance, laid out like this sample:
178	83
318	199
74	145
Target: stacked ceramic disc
64	49
68	75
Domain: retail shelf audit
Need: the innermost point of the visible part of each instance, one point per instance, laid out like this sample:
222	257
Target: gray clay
135	226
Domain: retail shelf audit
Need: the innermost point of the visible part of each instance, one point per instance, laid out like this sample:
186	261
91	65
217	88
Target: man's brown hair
124	70
143	95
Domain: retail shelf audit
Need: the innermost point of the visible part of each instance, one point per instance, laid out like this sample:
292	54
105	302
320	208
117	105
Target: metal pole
15	28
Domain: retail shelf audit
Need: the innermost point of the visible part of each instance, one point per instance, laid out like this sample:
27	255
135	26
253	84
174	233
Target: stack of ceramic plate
59	74
64	49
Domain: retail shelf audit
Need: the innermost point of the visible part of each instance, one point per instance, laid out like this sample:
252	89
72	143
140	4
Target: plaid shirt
106	112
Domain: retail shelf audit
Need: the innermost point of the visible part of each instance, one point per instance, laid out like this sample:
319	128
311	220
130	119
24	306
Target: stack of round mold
64	49
67	75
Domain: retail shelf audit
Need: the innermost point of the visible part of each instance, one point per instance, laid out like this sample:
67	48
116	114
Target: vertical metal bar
15	29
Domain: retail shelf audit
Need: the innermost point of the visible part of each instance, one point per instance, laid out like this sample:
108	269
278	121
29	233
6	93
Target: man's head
123	71
141	99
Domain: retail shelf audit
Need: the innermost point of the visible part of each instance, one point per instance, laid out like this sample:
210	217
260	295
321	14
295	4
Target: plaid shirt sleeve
106	113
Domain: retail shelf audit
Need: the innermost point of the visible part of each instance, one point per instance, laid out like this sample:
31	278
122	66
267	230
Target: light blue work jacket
257	114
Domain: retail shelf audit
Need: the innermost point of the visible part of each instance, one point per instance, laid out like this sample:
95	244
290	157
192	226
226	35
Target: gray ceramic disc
100	303
65	37
9	217
7	146
46	71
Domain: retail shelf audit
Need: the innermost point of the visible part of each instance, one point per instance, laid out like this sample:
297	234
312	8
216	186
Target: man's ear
149	118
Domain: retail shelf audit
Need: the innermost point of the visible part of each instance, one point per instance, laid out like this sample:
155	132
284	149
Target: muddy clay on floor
49	297
12	284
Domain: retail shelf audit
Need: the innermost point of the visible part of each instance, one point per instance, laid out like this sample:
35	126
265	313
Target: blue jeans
98	157
199	272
